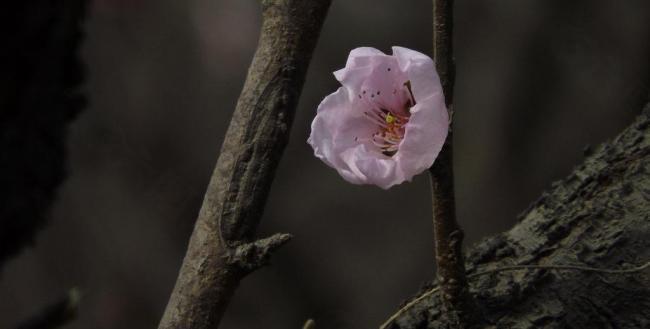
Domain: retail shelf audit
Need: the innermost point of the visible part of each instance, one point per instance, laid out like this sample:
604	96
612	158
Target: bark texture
598	216
221	250
40	75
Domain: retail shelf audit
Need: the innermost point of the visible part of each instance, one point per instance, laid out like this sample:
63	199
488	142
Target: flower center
390	123
390	129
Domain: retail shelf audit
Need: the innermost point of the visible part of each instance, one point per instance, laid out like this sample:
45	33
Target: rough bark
40	75
598	216
221	250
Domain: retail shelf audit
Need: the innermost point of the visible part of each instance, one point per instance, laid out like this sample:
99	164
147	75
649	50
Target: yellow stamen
390	118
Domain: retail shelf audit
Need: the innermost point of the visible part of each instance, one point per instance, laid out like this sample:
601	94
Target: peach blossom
388	120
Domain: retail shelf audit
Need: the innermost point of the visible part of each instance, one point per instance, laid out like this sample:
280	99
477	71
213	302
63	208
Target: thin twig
222	249
514	268
457	304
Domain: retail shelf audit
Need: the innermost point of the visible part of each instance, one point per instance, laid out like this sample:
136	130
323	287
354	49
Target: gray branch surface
222	249
598	216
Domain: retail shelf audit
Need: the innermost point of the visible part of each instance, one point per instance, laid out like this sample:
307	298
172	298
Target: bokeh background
537	81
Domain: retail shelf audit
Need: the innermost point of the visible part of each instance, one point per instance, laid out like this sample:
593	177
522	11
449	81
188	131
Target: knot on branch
253	255
456	239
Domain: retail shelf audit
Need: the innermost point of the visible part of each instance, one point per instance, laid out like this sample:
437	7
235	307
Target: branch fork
253	255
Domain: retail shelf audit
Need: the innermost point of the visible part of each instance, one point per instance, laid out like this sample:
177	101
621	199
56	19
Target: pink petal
371	169
425	135
385	84
362	52
360	64
420	70
334	130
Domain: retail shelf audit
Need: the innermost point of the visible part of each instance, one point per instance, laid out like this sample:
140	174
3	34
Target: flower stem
458	306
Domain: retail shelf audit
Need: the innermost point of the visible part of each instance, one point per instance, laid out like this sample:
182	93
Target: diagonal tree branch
221	250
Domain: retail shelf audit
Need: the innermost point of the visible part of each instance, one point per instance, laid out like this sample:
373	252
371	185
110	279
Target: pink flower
388	121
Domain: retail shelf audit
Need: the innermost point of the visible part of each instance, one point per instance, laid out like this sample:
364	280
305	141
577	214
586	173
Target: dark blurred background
536	82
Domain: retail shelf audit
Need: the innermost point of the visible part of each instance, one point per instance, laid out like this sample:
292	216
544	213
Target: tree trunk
599	216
